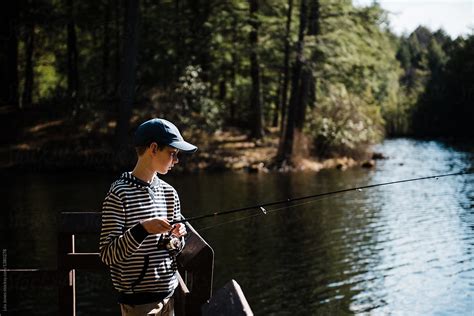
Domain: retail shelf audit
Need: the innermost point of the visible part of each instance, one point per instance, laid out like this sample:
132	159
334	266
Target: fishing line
259	214
269	212
415	207
314	197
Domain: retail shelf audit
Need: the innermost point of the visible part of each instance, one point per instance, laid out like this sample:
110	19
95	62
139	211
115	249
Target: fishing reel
170	243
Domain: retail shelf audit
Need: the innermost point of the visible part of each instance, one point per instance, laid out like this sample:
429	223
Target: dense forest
327	77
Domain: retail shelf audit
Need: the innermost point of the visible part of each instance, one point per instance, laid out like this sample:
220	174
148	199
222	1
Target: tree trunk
106	50
255	97
303	98
307	94
276	112
29	68
233	101
9	54
234	70
200	39
222	86
286	148
127	86
314	29
118	26
314	18
178	39
72	73
286	67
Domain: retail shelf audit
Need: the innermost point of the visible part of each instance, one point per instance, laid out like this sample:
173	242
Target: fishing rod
262	207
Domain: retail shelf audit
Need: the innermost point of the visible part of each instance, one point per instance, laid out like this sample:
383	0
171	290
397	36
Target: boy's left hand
179	230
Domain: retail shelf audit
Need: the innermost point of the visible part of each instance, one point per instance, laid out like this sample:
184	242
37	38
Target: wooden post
70	224
67	277
196	264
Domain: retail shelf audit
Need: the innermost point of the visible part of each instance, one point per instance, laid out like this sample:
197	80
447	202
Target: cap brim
183	146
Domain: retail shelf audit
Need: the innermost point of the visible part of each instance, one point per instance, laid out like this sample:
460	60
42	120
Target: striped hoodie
140	272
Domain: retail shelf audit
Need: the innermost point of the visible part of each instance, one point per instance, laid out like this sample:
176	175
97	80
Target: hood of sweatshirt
129	178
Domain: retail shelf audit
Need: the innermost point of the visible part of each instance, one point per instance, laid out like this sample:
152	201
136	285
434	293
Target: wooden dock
195	265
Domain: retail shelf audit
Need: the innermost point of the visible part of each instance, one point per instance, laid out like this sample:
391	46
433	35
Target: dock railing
196	264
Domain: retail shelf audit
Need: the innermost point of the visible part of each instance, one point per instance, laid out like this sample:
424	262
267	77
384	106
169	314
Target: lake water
404	249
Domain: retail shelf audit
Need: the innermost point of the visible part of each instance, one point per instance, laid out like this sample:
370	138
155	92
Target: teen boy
136	217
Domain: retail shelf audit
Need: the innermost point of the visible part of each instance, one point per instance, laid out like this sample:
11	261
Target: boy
136	230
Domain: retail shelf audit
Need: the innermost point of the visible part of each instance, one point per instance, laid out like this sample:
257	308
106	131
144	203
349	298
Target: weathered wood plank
67	288
196	263
228	301
182	285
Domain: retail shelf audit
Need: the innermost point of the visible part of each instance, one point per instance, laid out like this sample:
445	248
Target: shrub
344	124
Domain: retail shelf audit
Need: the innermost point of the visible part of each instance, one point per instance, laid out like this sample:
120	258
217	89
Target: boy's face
165	159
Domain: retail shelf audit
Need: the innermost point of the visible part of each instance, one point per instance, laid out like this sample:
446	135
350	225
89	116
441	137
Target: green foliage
229	49
446	108
435	84
197	109
344	123
357	76
47	76
193	66
40	18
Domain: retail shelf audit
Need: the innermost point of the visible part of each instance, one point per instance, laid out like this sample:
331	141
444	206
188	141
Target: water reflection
426	260
401	249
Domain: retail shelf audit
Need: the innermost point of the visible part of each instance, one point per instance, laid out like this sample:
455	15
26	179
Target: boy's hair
140	150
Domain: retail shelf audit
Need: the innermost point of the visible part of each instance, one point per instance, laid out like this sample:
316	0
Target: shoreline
60	159
45	144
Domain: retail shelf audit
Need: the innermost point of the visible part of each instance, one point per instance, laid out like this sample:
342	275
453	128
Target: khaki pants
162	308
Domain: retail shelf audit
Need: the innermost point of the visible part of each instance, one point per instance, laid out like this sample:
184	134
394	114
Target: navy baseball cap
163	132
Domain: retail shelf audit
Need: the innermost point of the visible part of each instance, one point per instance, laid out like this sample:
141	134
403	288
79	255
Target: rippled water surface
398	249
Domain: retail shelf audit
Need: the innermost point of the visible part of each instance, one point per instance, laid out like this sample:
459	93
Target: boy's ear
153	148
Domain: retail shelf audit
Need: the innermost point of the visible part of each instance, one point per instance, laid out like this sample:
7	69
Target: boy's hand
179	230
156	225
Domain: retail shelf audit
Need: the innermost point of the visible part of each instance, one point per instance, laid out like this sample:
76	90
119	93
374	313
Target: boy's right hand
156	225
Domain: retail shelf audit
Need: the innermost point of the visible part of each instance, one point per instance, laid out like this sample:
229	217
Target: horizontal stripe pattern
123	248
